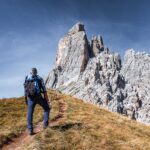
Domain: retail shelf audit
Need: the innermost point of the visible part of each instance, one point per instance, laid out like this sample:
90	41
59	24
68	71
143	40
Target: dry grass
87	127
13	117
13	120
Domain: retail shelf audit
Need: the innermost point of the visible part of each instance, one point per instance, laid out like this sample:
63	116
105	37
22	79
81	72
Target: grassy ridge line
88	127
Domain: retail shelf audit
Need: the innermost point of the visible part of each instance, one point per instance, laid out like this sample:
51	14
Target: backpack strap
38	81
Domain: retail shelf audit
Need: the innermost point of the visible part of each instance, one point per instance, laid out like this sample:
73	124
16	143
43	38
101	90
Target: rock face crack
90	71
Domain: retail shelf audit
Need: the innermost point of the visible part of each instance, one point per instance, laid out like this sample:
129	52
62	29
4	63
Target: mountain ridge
88	70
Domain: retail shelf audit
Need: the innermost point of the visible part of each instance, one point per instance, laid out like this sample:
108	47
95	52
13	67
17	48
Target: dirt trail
24	139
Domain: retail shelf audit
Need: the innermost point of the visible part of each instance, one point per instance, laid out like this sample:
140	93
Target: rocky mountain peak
97	45
88	70
78	27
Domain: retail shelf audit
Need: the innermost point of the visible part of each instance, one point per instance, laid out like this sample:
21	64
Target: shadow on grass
67	126
7	140
57	117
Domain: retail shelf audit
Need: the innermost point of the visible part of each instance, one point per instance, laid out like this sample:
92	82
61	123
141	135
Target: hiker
34	86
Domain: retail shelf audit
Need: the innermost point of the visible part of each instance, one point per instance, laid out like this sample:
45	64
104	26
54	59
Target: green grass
88	127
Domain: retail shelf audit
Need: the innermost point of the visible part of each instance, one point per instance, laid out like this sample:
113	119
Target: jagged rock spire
76	28
68	45
72	56
97	44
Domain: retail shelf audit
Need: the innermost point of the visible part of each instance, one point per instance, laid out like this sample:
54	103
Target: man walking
34	86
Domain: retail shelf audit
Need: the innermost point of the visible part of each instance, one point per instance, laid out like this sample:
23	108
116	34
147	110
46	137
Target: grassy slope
87	127
13	118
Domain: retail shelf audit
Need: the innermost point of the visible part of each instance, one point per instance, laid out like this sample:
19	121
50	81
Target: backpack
32	87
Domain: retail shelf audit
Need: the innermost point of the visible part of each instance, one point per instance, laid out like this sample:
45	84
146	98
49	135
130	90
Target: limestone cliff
136	70
88	70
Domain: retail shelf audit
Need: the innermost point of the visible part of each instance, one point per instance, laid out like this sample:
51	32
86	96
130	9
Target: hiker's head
33	71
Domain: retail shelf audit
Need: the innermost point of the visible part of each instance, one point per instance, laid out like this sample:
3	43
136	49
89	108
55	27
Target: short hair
34	71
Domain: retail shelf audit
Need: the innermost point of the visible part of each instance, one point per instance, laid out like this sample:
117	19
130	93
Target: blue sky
30	31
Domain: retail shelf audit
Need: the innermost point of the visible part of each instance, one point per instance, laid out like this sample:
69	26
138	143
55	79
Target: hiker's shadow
67	126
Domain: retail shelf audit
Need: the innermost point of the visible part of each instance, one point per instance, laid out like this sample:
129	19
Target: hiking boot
44	127
31	133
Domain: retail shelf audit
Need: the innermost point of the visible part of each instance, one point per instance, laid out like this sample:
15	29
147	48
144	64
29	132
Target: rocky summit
88	70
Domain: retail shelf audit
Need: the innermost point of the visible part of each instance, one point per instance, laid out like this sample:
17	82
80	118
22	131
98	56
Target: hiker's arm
46	96
26	100
44	90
